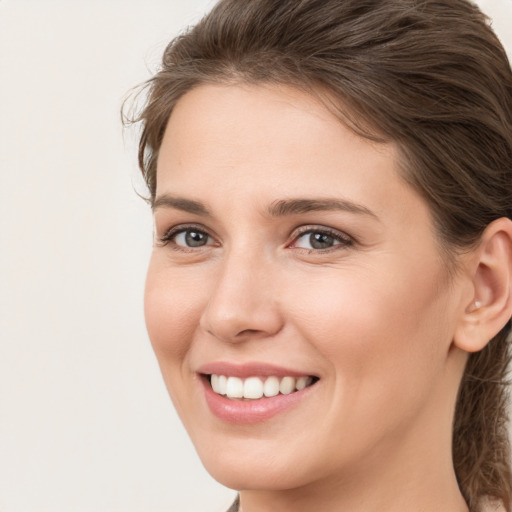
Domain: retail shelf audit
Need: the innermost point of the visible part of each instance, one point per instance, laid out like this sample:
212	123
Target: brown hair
429	75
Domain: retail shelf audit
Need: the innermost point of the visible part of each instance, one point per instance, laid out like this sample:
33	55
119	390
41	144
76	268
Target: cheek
374	327
385	343
172	308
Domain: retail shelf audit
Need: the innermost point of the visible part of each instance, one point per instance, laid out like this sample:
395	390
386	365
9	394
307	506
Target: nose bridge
242	302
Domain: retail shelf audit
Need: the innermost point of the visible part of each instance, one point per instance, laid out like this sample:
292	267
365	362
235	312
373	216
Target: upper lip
252	369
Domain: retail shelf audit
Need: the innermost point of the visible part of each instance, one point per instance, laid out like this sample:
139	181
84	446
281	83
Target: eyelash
168	239
344	240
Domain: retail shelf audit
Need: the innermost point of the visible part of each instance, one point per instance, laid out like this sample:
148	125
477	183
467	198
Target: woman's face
290	253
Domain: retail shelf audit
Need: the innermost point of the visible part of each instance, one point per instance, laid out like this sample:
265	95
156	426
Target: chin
255	469
253	477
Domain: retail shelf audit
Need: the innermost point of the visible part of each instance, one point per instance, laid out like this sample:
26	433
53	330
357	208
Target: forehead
254	133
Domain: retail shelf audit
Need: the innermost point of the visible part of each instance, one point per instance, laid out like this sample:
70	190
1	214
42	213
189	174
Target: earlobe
490	307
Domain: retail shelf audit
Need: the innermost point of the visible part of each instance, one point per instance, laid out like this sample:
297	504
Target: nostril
248	332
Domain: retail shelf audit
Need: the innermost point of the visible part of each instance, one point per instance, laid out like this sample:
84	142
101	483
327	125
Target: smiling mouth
255	388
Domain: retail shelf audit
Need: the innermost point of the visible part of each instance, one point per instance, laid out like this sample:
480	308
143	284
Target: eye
321	240
191	238
188	237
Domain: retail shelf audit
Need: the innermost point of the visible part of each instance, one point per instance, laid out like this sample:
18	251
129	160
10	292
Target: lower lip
250	411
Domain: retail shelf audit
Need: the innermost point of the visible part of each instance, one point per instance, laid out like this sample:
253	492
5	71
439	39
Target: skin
374	318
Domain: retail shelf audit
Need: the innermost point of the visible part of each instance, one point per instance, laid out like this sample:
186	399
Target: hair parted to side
429	75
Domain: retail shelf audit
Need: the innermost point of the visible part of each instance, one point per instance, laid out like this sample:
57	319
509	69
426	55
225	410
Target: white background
85	421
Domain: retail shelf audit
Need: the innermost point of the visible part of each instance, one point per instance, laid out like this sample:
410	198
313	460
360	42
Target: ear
489	307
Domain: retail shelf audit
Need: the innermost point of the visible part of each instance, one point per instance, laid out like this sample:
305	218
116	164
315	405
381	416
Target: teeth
223	382
219	383
214	381
302	382
256	387
235	387
287	385
253	388
271	386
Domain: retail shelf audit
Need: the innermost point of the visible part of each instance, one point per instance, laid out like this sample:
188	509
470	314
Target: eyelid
171	233
342	237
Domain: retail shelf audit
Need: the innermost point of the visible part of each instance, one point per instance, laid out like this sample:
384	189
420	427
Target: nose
243	301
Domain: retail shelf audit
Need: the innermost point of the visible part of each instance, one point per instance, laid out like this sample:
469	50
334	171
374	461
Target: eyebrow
297	206
180	203
280	208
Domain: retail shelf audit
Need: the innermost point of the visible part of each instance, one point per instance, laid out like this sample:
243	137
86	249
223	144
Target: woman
329	292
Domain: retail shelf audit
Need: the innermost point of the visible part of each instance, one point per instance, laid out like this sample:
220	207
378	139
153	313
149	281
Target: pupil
195	239
321	240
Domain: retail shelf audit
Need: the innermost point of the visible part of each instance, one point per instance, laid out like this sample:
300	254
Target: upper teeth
256	387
